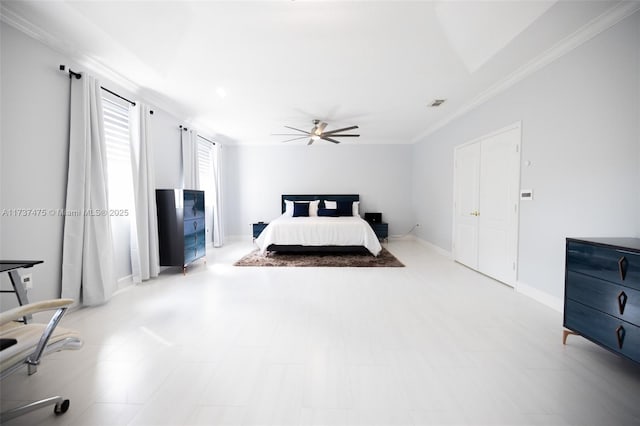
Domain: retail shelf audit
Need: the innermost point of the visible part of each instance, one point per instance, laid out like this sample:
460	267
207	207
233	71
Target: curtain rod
78	76
117	96
208	140
183	128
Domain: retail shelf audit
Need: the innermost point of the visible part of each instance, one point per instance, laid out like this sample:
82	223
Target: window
117	139
205	170
119	181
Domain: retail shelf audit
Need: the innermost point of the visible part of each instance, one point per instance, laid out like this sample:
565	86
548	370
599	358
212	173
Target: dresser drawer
193	204
191	226
614	334
612	299
615	265
194	246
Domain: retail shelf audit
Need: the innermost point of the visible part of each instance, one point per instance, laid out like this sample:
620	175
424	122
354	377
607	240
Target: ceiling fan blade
329	139
293	128
295	139
322	126
343	136
288	134
333	132
310	141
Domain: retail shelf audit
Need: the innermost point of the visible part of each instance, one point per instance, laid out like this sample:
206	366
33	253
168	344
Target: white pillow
288	211
313	207
330	204
356	208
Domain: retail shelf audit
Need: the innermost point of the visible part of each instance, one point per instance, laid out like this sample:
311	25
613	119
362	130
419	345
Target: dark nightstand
381	230
258	228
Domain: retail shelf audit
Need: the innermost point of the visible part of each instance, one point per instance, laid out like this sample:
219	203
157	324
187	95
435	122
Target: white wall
257	176
167	151
34	152
33	173
580	132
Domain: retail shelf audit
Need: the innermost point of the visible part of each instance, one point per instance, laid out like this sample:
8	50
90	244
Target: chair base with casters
26	344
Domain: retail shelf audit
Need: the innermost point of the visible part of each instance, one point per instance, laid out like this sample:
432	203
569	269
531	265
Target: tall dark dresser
602	293
181	226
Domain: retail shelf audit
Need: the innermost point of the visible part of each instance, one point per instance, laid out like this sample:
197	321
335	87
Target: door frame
513	126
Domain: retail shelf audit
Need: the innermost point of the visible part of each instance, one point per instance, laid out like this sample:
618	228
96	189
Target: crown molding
596	26
92	64
11	18
599	24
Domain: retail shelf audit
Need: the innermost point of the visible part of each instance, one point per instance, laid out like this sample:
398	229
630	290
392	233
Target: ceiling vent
437	102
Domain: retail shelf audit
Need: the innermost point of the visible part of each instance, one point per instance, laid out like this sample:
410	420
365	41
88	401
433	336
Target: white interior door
487	180
467	178
498	219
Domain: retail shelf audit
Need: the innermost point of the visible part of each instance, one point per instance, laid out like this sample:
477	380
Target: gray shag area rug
384	259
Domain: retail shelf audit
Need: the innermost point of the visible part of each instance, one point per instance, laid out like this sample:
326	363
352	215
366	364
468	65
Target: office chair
26	344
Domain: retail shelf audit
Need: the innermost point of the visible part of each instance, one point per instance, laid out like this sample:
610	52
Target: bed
321	229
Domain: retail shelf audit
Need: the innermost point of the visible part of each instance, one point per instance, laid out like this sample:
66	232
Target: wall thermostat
526	194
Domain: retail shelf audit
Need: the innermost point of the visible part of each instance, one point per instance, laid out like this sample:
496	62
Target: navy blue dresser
181	226
602	293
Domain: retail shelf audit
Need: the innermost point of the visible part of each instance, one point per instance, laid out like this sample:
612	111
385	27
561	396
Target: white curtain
190	175
217	193
88	271
145	260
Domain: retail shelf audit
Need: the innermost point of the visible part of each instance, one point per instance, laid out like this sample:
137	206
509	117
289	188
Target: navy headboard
334	197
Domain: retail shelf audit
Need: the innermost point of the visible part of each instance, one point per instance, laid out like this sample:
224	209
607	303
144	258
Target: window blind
117	140
205	169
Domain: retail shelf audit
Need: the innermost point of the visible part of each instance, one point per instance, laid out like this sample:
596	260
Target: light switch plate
526	194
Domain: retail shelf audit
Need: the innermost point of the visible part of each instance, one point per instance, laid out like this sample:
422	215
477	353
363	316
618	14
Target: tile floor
429	344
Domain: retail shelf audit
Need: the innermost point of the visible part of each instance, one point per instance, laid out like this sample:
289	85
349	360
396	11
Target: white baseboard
124	282
237	238
546	299
555	303
431	246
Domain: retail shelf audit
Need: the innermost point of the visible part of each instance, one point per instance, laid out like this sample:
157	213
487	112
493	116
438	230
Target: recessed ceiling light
437	102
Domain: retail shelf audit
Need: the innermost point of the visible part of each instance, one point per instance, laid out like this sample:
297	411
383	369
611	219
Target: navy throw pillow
300	209
328	212
345	208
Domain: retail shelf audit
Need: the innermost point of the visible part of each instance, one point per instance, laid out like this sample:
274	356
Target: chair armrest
32	308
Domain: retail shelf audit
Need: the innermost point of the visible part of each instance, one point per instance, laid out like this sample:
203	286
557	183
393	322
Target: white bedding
319	231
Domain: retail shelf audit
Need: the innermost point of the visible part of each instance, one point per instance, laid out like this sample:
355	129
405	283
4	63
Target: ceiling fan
318	132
